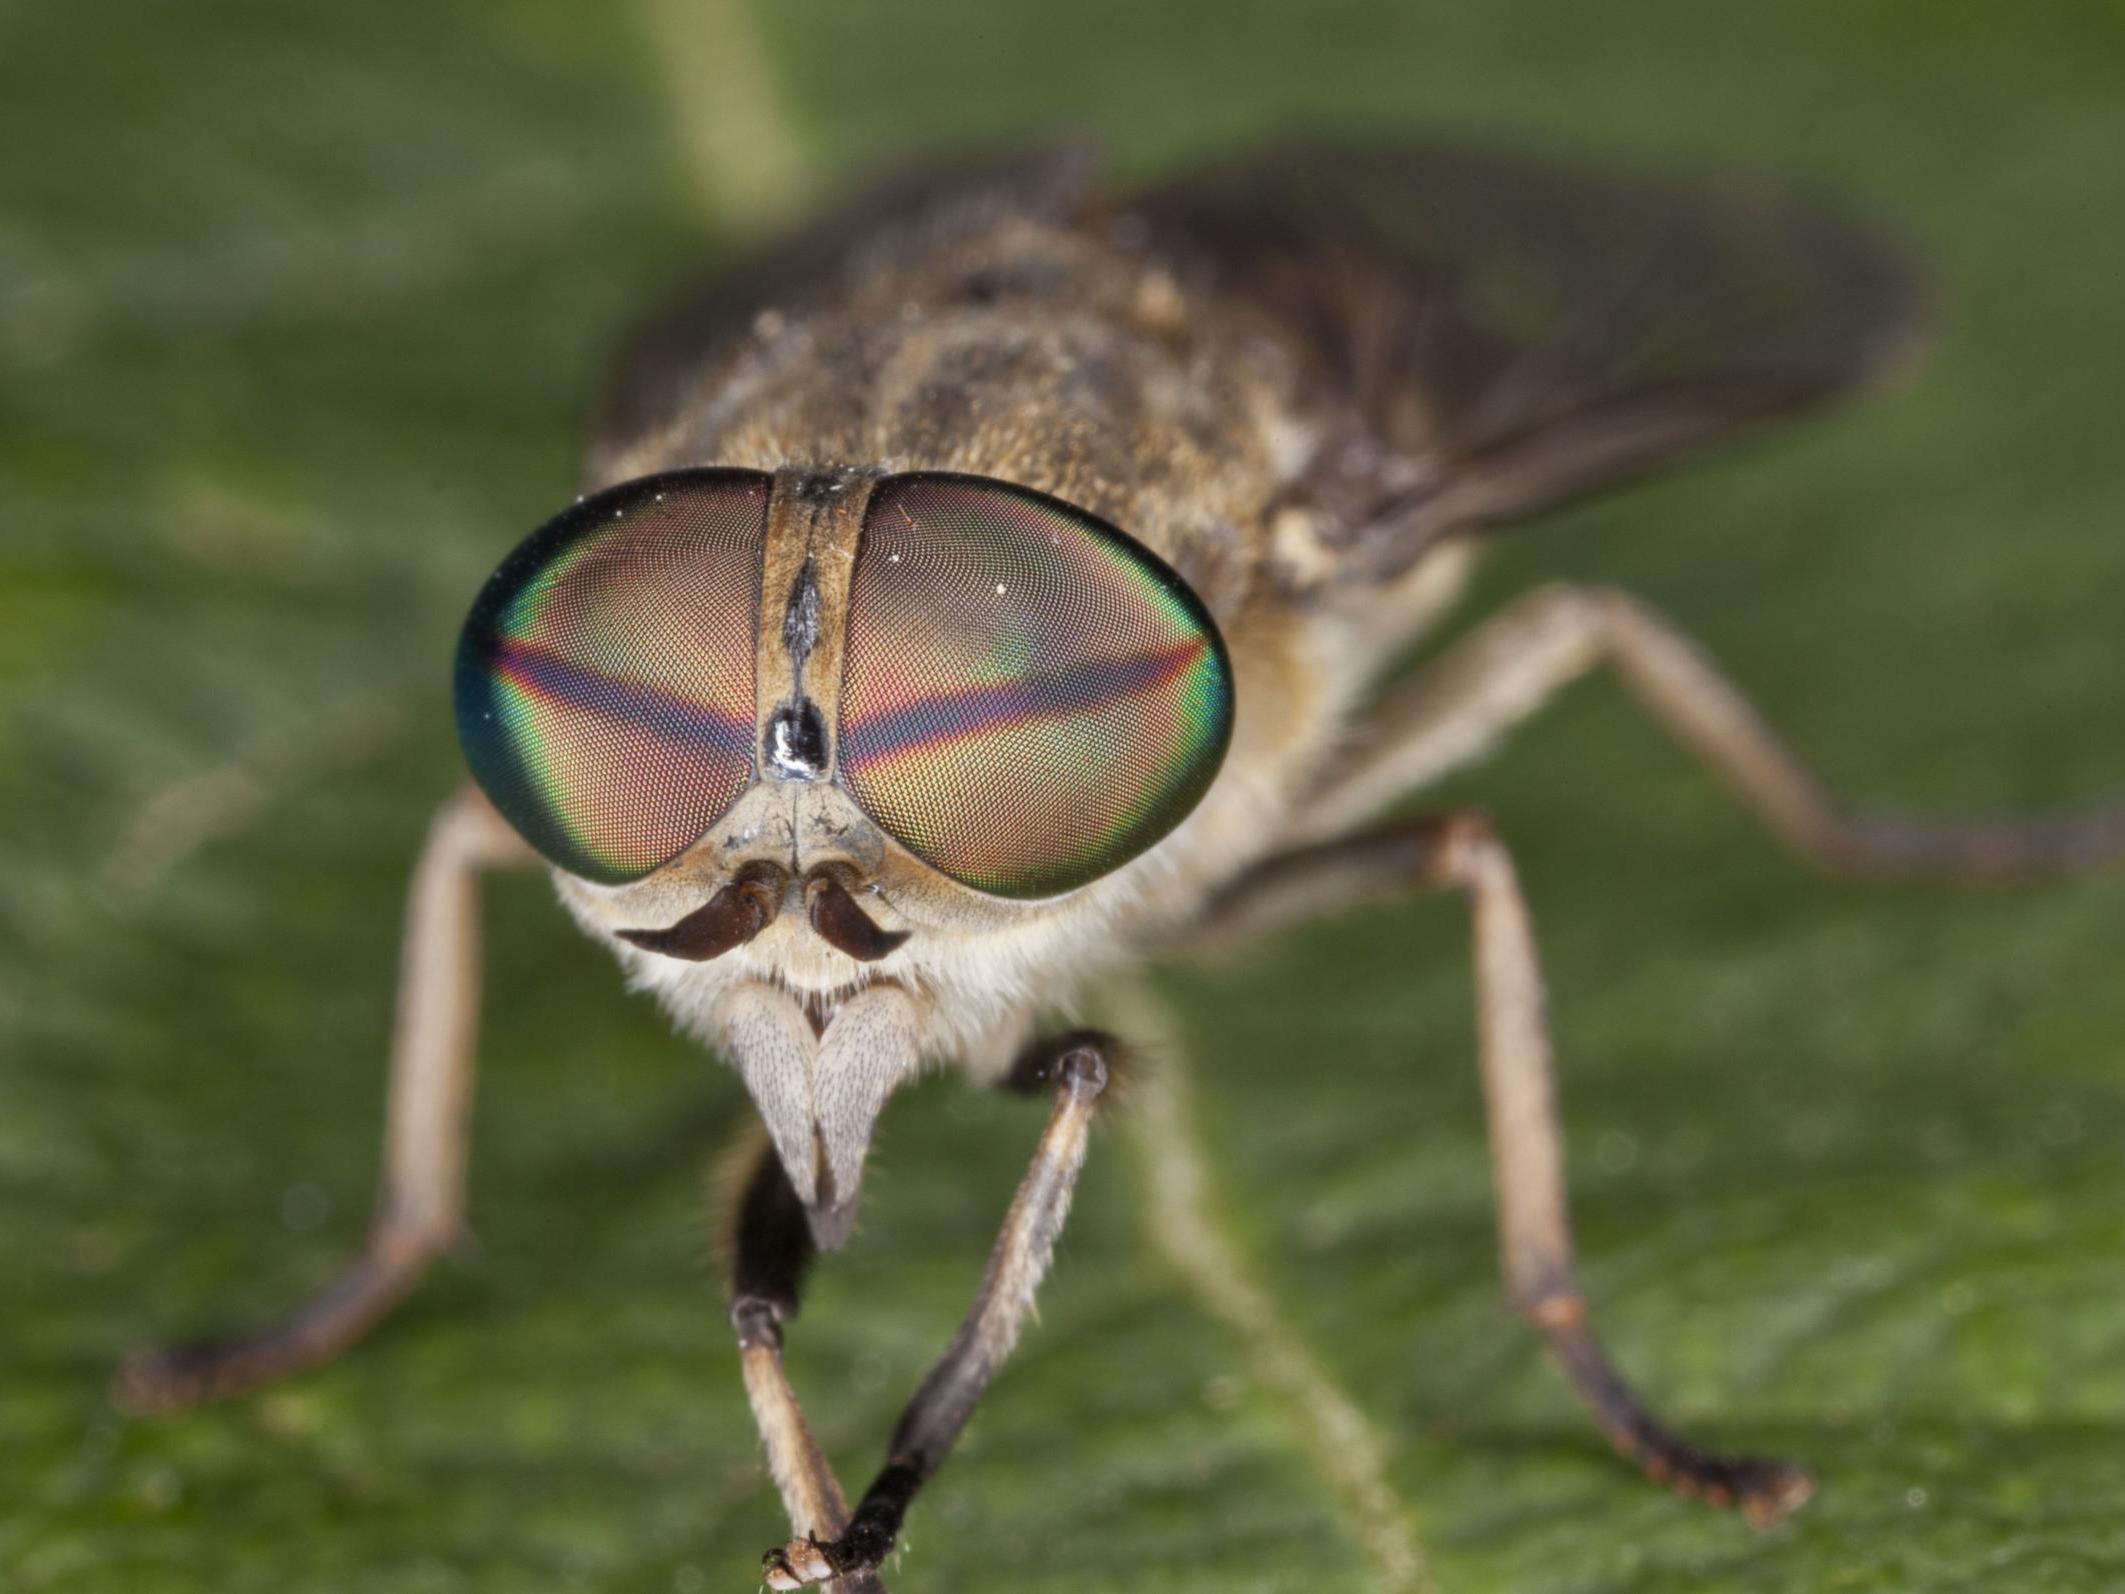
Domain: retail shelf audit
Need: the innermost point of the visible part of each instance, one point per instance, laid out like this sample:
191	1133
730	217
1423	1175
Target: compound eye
605	675
1029	698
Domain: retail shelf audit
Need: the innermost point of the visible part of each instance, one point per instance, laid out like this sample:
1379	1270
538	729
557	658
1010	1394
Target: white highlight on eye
999	589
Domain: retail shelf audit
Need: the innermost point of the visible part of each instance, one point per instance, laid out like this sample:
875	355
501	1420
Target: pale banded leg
1455	710
771	1249
1077	1067
1461	851
420	1205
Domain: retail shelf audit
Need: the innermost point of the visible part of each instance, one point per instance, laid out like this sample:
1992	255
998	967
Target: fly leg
1456	710
771	1250
1076	1067
421	1203
1462	852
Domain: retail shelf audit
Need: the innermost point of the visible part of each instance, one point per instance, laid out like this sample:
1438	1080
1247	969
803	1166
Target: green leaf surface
300	308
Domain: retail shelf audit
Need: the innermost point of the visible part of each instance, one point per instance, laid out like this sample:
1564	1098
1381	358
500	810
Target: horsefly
986	588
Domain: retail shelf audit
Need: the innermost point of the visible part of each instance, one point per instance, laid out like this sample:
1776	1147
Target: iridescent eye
605	674
1030	699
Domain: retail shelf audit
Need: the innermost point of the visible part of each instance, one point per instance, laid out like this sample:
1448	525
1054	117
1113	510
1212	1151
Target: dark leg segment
1076	1067
771	1250
1462	852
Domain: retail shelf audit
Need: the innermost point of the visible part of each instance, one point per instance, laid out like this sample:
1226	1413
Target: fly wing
903	208
1483	335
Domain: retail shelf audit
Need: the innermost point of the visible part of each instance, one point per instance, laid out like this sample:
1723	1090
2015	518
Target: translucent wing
1487	334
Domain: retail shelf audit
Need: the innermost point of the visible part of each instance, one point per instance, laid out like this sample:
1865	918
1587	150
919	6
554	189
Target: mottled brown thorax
1029	353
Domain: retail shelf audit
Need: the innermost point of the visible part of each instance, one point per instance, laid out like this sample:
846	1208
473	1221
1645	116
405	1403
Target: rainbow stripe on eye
605	674
1029	698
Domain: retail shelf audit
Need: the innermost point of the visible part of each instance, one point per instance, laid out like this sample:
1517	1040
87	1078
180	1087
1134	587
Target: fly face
791	738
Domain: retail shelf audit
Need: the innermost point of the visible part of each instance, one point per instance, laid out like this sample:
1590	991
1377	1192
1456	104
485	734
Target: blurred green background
300	307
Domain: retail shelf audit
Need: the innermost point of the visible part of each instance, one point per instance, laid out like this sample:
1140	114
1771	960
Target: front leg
1077	1067
771	1250
421	1203
1462	852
